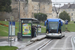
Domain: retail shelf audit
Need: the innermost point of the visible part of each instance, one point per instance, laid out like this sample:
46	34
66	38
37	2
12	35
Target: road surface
53	44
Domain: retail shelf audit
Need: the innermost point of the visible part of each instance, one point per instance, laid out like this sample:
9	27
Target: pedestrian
59	30
74	21
66	22
47	26
35	31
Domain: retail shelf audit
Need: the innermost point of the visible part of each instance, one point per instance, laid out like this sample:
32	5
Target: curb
3	37
37	38
29	43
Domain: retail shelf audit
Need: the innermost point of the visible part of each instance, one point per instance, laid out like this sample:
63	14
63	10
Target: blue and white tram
53	27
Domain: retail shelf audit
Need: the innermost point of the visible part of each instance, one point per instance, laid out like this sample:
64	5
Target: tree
26	1
5	5
64	15
40	16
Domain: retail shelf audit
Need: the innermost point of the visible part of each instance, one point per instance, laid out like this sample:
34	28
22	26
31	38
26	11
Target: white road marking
61	48
73	47
64	46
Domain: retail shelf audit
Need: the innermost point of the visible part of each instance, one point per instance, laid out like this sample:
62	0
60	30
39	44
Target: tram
53	28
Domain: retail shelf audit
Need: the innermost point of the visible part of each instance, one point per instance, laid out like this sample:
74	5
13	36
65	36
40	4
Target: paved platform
20	44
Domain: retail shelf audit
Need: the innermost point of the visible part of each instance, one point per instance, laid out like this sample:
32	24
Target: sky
62	2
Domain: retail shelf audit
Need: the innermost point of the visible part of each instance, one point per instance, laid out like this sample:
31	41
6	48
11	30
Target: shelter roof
32	19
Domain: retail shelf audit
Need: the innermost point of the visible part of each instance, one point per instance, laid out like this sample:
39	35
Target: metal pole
11	33
19	16
37	29
39	6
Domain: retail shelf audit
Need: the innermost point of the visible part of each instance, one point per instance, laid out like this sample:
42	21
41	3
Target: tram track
44	45
37	45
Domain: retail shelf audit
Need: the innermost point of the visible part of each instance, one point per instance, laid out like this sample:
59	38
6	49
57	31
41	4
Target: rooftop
42	1
68	6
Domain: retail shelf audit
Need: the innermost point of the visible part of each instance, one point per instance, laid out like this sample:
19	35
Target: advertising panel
26	31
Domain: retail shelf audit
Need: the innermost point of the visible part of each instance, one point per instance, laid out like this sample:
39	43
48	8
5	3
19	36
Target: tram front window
53	27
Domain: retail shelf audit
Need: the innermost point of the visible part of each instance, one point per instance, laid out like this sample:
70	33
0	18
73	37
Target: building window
72	9
16	0
48	3
35	9
68	9
65	9
71	14
22	0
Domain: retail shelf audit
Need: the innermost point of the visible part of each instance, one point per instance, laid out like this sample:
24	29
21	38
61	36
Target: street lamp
19	16
39	6
19	34
42	17
57	11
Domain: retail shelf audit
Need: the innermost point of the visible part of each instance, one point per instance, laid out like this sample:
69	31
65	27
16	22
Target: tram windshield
53	25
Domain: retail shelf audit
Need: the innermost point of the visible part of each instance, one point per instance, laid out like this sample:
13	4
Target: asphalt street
53	44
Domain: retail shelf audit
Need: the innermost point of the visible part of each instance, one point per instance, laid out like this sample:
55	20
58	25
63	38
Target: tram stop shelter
27	29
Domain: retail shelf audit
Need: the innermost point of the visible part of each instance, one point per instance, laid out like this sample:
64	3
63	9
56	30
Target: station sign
11	28
39	28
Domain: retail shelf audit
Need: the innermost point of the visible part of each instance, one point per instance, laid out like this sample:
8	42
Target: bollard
19	36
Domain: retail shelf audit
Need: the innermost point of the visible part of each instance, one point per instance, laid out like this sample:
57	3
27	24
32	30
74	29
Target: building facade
70	9
28	8
42	6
